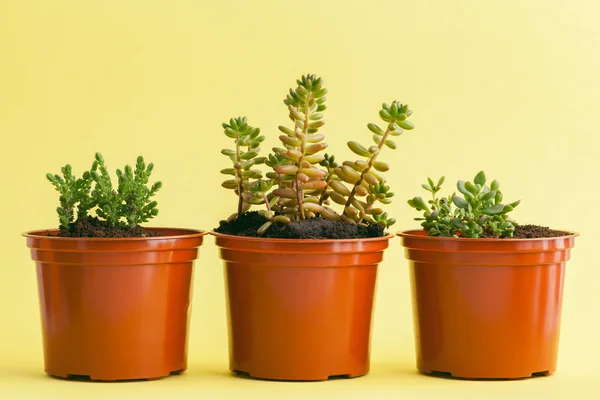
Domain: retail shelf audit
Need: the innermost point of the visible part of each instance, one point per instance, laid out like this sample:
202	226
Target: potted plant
486	291
301	276
114	296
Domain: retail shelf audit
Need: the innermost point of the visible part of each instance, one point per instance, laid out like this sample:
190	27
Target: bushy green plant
305	182
477	212
129	204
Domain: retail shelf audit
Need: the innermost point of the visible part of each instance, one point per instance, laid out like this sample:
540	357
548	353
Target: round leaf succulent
477	211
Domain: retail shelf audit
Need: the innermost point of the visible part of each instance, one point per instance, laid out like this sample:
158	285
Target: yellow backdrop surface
510	87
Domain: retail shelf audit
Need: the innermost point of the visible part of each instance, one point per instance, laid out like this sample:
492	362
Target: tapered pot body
486	308
115	308
300	309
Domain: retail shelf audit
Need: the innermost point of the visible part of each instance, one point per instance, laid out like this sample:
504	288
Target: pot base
313	378
466	376
96	378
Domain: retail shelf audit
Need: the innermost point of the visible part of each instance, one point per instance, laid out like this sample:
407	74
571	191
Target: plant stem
366	171
299	192
238	174
327	179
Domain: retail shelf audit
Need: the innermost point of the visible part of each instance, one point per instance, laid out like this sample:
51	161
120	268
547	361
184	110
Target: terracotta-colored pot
300	309
115	309
486	308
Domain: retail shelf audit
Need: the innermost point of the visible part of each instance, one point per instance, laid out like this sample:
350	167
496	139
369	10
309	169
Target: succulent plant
365	175
479	212
128	204
244	157
304	181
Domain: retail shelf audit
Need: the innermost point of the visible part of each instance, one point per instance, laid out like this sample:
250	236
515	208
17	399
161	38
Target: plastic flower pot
115	309
300	309
486	308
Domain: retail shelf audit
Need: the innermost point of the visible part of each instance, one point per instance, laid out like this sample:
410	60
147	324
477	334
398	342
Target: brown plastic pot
300	310
115	309
486	308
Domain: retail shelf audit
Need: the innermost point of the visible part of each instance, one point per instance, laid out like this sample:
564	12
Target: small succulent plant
128	204
302	182
244	157
479	212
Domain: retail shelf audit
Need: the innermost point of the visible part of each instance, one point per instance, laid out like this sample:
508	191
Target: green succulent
128	204
244	157
306	182
74	192
365	175
300	180
477	212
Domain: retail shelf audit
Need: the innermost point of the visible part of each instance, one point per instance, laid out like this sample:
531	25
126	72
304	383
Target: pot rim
190	233
282	240
414	234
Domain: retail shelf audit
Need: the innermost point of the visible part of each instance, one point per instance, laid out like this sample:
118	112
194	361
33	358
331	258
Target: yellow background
510	87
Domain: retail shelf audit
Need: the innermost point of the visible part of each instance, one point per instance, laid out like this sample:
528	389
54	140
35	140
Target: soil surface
536	231
92	227
314	228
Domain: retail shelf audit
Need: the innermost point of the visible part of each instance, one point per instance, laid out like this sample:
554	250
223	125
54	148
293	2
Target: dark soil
92	227
315	228
536	231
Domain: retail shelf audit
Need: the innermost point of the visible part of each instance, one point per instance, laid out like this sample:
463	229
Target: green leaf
391	144
231	133
228	171
320	93
471	188
376	129
495	185
405	124
381	166
489	195
228	152
358	149
460	202
499	196
248	155
460	185
285	130
507	208
480	178
495	209
419	204
431	184
386	116
316	124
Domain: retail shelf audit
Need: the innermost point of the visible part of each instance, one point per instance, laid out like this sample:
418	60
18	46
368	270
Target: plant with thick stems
479	212
304	181
129	204
365	175
244	157
300	180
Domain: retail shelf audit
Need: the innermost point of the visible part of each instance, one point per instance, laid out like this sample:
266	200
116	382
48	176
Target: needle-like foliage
129	204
